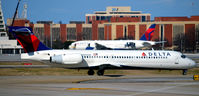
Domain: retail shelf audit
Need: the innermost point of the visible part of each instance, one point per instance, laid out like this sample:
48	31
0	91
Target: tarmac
98	86
10	57
108	85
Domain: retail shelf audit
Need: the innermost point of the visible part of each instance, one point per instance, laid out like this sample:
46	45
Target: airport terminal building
7	46
120	23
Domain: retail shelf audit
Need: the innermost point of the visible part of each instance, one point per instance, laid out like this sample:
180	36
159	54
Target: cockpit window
183	56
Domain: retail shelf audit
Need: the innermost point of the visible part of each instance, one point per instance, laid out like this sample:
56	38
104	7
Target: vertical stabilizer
149	33
27	39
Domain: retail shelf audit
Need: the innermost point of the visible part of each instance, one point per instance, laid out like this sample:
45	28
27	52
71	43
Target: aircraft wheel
91	72
100	72
184	72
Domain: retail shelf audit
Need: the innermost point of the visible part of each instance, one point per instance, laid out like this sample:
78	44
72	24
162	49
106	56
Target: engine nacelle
67	59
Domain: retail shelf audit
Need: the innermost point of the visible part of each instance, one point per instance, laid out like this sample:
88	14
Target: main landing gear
100	72
91	72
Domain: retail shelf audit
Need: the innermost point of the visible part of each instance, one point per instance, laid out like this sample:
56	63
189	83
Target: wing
107	66
160	42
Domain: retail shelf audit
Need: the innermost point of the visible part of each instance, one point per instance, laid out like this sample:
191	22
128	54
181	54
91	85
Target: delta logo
143	54
163	54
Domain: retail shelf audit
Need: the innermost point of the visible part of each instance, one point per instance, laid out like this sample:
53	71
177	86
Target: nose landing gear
184	72
100	72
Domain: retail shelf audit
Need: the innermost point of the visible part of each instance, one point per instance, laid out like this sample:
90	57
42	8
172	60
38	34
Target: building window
197	35
1	30
88	19
17	51
3	35
162	32
1	26
97	17
55	34
39	33
103	18
100	33
7	51
71	34
178	33
143	18
87	33
109	18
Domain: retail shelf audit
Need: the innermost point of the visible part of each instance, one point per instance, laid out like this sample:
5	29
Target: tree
190	40
58	44
197	38
157	46
179	42
46	41
66	44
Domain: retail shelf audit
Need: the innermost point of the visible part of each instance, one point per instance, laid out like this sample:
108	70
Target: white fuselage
119	58
113	44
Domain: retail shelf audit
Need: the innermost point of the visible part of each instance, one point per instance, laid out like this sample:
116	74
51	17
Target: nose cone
70	46
192	63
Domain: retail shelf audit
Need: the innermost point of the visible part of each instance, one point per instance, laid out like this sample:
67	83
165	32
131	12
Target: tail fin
27	39
149	33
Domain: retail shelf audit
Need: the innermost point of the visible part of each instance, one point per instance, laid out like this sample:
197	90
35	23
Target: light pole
1	49
51	38
125	32
162	36
14	51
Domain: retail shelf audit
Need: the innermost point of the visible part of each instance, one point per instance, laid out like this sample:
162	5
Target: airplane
99	59
117	44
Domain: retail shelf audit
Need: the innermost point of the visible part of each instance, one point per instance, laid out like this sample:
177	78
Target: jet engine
66	58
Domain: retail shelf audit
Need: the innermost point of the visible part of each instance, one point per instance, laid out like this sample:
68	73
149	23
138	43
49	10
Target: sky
75	10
